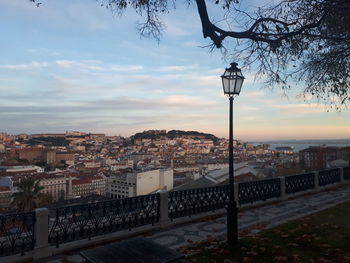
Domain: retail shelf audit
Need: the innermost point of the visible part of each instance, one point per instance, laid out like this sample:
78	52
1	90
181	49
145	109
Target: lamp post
232	81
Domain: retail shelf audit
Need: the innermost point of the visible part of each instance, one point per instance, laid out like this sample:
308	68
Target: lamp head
232	80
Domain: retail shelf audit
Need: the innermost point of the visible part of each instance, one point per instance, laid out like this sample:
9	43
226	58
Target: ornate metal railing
330	176
346	171
194	201
249	192
85	221
299	182
16	233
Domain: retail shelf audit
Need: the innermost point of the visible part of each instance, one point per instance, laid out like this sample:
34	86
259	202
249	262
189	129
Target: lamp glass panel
233	85
238	86
226	85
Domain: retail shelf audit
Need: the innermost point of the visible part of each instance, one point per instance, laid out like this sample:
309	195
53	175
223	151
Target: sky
73	65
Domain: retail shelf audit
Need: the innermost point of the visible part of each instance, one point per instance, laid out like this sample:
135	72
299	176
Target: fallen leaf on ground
325	245
338	250
280	259
293	245
247	260
323	260
252	253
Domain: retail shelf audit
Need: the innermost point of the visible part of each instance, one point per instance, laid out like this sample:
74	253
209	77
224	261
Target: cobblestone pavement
251	220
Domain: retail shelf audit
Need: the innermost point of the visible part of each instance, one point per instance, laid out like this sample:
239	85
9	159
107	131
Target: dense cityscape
78	167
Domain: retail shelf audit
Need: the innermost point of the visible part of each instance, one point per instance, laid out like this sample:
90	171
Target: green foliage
48	141
195	134
28	196
175	133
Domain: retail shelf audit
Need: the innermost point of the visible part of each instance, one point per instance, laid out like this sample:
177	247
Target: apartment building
5	197
316	158
22	168
139	183
53	184
89	185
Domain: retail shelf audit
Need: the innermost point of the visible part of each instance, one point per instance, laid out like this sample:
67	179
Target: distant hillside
174	133
48	141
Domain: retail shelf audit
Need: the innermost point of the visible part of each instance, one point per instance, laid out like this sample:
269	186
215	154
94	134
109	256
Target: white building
142	183
2	148
53	184
22	168
122	165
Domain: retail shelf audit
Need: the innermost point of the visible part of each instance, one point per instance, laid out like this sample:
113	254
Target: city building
53	184
89	185
316	158
21	168
5	197
139	183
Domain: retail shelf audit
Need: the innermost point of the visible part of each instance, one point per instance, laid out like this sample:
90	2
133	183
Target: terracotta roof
81	181
30	149
4	188
47	176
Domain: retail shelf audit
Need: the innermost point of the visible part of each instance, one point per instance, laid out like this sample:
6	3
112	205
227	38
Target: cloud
302	108
177	68
103	107
254	93
192	43
247	108
188	101
216	71
19	5
33	65
94	65
113	115
212	81
249	118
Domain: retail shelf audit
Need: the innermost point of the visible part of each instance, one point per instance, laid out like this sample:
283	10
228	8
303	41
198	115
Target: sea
299	145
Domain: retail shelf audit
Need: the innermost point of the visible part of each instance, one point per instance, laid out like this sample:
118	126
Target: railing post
283	188
317	185
236	194
163	210
342	180
41	234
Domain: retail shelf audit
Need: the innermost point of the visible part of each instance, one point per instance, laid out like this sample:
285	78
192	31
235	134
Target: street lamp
232	81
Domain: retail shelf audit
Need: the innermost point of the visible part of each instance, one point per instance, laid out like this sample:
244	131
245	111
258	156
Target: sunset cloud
302	108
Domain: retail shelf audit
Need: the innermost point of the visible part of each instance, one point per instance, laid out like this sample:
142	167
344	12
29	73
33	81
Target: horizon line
246	140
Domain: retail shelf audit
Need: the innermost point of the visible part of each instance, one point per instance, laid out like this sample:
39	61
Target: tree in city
28	196
288	42
44	199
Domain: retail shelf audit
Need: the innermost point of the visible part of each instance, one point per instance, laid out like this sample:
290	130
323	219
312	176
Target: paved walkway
249	220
